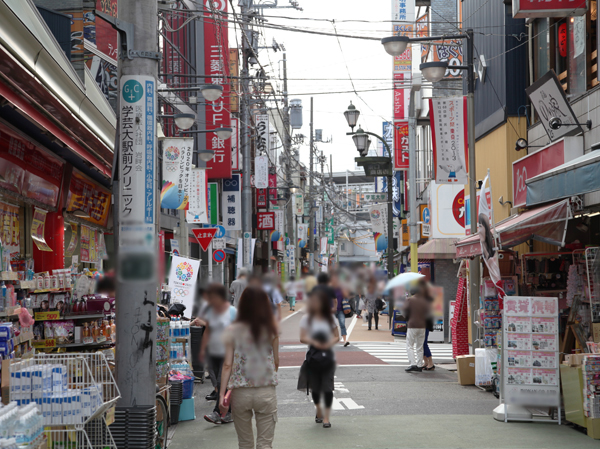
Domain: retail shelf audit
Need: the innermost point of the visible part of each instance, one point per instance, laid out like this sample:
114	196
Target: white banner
298	204
324	245
236	155
261	172
176	170
263	138
302	232
290	257
449	139
182	282
232	204
198	212
279	227
378	215
319	214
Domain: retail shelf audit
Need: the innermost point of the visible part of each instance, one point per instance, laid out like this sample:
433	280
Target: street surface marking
396	352
352	324
289	316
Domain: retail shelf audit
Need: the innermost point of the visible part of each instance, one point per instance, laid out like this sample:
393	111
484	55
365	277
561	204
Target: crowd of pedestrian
240	344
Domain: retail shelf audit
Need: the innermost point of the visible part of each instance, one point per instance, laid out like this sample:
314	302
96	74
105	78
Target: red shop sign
401	145
523	9
541	161
265	221
261	198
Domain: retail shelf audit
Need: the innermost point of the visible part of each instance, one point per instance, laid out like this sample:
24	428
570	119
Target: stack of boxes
48	386
7	345
591	381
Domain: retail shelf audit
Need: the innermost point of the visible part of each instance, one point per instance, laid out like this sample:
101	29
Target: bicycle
162	418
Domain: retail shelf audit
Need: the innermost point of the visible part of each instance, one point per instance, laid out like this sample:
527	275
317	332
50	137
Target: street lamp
352	115
434	71
184	121
360	140
206	155
223	133
211	92
395	45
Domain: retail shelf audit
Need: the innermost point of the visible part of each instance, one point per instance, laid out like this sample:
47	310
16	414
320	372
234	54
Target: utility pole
245	137
287	143
135	188
412	185
311	221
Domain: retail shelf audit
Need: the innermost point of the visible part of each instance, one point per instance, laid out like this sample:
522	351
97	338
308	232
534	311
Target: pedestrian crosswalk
395	353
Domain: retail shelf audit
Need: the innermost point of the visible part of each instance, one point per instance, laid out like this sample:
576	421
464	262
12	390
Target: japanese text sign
232	204
401	145
265	220
261	172
198	210
176	170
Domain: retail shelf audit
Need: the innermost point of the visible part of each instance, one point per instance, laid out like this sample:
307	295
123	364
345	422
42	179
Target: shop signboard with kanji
216	66
89	197
265	221
261	198
197	211
232	204
401	145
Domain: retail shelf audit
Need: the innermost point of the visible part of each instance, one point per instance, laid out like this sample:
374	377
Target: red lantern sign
562	40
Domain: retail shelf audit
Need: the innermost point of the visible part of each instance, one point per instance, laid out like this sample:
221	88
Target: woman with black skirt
320	331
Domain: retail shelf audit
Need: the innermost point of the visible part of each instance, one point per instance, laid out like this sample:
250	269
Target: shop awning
576	177
547	224
437	249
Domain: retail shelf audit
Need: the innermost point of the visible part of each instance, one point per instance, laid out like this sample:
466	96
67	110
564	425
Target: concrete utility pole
135	189
412	185
311	218
245	135
287	143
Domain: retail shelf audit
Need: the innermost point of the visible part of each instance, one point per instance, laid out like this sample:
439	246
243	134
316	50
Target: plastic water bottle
172	328
177	329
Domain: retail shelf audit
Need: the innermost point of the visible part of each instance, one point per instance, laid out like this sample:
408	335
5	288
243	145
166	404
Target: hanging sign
216	65
302	234
176	169
319	215
9	229
263	139
175	247
273	188
279	228
523	9
197	211
87	196
213	203
449	138
401	145
261	172
204	236
290	257
85	244
38	226
261	198
232	204
73	241
182	282
265	220
298	204
137	119
378	216
236	156
218	243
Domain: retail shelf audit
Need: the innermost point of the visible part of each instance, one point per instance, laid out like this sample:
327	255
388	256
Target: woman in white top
319	329
250	369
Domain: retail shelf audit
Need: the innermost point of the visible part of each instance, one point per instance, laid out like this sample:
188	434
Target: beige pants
414	346
263	402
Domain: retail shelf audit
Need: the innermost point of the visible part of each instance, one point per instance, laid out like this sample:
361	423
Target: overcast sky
312	56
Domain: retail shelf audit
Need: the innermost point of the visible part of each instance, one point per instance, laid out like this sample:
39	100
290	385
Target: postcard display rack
75	393
530	359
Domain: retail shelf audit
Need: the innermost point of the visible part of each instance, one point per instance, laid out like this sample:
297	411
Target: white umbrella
403	279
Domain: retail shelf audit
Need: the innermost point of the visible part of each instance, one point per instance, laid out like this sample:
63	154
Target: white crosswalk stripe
395	353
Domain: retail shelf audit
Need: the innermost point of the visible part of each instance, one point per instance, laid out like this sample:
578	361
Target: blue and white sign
426	222
220	230
232	204
137	146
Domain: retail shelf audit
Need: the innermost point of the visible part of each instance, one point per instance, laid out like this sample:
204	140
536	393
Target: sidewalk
361	332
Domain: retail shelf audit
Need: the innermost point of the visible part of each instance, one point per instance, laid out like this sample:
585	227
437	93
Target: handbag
346	308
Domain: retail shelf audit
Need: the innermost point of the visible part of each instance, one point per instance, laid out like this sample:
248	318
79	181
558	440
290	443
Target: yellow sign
47	343
405	233
47	316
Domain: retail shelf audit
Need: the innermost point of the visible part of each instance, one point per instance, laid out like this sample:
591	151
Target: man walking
238	286
416	312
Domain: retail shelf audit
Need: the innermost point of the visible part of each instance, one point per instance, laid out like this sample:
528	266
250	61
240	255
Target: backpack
346	308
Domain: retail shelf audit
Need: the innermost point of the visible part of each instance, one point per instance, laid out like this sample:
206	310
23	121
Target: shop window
577	65
542	47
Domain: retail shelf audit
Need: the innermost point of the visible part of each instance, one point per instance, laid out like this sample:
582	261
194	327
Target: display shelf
9	276
24	337
13	311
50	343
52	290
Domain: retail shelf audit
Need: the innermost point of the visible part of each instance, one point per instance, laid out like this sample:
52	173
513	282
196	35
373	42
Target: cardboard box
596	332
465	365
593	428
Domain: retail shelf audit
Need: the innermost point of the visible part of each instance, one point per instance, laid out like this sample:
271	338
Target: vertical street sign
137	230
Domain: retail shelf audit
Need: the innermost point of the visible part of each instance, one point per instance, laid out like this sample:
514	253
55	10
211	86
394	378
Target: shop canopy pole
136	215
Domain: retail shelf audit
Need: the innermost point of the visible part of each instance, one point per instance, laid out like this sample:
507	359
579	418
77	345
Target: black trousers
370	318
216	364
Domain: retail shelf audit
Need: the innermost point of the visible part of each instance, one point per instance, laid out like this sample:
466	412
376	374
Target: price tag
47	343
47	316
110	416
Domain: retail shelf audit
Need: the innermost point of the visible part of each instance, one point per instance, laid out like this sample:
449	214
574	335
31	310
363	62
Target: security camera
555	123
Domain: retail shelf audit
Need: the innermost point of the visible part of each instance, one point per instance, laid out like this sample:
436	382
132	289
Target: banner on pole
449	139
302	234
263	138
401	145
232	204
38	227
198	211
298	204
182	282
261	172
176	170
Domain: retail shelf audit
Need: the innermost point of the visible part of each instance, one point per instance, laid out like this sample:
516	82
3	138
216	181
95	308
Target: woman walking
320	331
250	370
371	303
